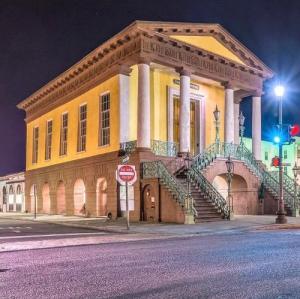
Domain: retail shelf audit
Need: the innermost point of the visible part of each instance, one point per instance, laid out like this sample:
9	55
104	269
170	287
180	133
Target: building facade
150	90
12	189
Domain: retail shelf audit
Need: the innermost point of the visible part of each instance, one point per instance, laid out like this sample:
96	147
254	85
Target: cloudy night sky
40	39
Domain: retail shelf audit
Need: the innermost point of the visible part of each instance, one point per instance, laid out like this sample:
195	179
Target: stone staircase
206	211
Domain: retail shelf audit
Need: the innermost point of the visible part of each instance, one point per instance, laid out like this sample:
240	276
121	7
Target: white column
229	114
256	126
143	128
184	114
170	115
236	123
124	106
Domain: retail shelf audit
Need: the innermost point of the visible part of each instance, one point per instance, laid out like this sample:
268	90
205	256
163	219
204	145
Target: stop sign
126	173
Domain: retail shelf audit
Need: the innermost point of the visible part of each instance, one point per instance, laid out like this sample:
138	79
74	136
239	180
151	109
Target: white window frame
104	132
81	142
35	145
63	145
48	140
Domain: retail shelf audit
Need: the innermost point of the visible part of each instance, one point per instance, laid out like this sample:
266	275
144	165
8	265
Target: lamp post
281	218
189	203
242	127
295	212
217	126
230	170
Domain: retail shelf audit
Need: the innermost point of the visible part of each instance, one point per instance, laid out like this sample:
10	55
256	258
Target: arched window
4	195
11	189
18	189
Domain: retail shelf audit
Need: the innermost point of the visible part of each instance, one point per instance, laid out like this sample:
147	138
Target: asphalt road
239	265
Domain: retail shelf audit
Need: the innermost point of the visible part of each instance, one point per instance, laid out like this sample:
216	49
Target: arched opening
79	198
239	190
33	199
101	197
149	205
61	198
11	198
19	199
4	199
46	198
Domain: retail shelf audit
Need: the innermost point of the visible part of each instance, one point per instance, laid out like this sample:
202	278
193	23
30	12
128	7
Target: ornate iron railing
164	148
156	169
214	196
129	147
241	152
158	147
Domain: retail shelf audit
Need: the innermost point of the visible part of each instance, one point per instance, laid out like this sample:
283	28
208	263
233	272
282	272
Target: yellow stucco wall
91	98
160	81
208	43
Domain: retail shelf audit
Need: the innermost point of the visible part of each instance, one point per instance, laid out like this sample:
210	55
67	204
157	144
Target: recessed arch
46	198
79	198
33	199
101	197
19	198
11	198
61	198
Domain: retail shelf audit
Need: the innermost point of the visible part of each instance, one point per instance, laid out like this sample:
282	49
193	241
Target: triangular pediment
209	44
212	38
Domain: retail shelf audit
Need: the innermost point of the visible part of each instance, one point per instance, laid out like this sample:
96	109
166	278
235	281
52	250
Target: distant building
12	189
291	154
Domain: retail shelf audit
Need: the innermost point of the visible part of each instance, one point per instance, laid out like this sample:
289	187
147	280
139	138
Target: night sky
40	39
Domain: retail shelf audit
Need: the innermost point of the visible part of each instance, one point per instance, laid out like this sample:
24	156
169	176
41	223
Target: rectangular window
285	169
298	152
104	120
82	128
64	134
35	145
266	156
285	154
48	141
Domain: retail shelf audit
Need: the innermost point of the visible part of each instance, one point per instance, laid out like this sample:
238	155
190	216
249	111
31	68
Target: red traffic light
275	161
294	130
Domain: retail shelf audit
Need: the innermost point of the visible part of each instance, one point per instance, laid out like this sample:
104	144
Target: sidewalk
239	223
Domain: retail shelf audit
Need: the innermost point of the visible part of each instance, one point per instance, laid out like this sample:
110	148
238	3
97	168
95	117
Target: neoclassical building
150	90
12	189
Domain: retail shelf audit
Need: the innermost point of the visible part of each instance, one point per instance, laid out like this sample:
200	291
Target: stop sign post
126	175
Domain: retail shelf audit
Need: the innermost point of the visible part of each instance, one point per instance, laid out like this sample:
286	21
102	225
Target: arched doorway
79	198
4	199
11	198
46	198
19	199
61	198
33	199
148	205
101	191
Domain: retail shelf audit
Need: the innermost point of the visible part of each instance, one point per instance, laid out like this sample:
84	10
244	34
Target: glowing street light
279	92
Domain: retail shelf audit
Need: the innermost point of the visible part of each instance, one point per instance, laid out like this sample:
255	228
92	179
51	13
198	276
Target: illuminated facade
150	90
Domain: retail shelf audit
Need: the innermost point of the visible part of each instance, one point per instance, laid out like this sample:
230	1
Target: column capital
124	69
257	93
144	60
227	85
183	71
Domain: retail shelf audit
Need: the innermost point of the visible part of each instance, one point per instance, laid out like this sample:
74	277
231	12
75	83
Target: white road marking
53	235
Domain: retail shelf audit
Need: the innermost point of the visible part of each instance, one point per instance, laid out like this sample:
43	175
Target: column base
295	213
182	154
281	218
189	219
231	216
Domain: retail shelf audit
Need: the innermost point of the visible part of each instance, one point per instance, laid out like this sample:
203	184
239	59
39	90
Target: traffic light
276	161
294	130
285	133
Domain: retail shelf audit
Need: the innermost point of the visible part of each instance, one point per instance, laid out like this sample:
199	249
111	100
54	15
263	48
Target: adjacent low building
12	189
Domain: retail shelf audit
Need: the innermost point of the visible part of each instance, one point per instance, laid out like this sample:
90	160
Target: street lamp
295	212
187	161
279	92
217	123
242	127
230	170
